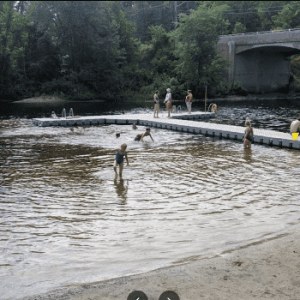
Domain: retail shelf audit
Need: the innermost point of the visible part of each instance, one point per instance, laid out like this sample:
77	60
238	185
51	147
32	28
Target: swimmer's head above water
124	146
117	135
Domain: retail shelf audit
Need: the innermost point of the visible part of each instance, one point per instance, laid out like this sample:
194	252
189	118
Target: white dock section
179	122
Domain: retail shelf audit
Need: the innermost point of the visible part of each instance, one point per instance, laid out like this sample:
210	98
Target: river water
65	220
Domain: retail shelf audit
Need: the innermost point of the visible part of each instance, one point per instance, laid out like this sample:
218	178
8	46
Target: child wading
119	160
248	138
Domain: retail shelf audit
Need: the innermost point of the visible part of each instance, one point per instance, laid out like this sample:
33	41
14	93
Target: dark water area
65	219
270	114
41	110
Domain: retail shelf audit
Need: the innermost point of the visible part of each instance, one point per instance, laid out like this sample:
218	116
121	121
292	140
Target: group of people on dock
168	102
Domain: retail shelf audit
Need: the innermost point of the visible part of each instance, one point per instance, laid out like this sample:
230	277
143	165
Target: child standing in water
119	160
248	138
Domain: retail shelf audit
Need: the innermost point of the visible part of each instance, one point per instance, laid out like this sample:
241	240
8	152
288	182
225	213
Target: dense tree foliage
114	49
196	38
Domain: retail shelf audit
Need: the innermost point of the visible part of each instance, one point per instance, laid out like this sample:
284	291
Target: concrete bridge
260	60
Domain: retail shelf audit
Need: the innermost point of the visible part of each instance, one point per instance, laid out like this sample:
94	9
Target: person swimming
140	137
134	126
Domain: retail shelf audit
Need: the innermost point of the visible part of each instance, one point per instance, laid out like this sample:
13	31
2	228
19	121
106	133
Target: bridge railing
260	32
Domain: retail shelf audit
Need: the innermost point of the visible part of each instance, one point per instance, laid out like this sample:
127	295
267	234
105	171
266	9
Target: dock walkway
180	122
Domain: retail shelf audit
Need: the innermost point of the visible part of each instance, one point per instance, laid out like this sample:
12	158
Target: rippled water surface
64	219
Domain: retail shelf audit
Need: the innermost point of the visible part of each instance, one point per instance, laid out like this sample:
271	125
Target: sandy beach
266	270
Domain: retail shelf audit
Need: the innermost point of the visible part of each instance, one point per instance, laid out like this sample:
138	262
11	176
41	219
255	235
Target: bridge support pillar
231	52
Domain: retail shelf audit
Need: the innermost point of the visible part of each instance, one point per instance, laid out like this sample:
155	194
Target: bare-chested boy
142	135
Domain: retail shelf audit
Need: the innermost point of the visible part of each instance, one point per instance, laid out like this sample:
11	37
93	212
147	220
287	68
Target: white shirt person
168	101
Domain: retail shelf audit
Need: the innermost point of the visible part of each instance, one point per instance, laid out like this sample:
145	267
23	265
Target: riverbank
264	270
51	99
42	99
257	97
232	98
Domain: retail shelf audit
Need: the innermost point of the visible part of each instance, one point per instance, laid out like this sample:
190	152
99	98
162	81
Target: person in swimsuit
156	104
295	126
168	101
134	126
119	160
142	135
248	138
189	100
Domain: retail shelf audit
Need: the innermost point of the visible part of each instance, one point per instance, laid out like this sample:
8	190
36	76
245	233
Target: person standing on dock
248	138
189	100
119	160
156	104
295	125
168	101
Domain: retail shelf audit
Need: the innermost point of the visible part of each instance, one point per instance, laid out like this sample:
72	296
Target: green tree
155	13
266	10
239	28
94	35
288	17
160	62
195	39
13	38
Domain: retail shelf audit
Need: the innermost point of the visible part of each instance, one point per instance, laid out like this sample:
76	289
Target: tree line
126	49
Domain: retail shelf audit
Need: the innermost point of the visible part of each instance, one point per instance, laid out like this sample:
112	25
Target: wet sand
265	270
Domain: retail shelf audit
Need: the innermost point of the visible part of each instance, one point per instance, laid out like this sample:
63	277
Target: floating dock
180	122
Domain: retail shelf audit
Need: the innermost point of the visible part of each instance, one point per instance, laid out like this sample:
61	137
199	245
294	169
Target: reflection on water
64	218
248	155
121	189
